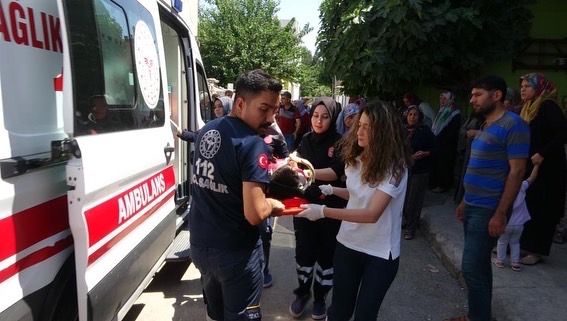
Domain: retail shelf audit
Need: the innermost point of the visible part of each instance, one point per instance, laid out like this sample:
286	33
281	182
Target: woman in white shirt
377	156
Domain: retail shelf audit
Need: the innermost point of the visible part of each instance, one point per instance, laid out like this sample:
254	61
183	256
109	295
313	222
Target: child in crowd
515	226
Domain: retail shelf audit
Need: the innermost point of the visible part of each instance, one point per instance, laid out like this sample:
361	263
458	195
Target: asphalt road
422	290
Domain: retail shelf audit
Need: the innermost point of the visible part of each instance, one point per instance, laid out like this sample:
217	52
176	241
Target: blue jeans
476	267
360	284
231	280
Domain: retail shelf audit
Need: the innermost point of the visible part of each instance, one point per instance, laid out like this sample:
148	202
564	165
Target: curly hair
388	151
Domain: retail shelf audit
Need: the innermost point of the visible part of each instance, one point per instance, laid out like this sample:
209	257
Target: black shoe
298	305
319	310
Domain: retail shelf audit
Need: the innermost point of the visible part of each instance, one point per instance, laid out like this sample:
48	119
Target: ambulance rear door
120	176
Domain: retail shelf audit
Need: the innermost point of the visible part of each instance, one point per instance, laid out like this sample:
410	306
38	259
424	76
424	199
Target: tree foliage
312	77
381	48
239	35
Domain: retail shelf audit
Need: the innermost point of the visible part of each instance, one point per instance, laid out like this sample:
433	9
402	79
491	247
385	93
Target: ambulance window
115	67
204	98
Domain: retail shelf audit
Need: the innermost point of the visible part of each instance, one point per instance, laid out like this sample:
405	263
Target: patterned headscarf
349	110
226	104
544	89
445	114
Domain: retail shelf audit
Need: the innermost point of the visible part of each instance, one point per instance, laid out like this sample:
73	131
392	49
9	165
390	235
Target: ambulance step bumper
181	249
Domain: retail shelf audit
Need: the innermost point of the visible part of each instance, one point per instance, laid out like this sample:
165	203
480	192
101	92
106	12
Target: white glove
311	212
326	189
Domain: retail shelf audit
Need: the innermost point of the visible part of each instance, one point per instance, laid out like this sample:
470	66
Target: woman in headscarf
221	107
315	241
445	127
546	196
346	118
422	143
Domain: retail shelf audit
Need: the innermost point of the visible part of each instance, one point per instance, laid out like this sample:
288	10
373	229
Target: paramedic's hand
326	189
180	132
311	212
277	206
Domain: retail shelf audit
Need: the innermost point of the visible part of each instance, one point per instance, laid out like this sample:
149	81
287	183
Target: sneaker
268	280
298	305
516	267
531	259
319	310
498	264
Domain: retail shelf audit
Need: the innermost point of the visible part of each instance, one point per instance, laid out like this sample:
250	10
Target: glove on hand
311	212
326	189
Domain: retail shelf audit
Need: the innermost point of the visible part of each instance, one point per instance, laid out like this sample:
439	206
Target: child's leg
502	245
516	233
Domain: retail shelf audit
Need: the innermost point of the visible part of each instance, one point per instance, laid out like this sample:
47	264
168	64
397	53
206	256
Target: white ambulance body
94	184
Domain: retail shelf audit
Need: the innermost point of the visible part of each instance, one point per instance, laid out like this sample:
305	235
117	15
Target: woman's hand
312	212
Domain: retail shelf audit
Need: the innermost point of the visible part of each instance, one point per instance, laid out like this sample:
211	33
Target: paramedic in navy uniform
228	204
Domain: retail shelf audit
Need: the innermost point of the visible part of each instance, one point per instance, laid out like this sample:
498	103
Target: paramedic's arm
256	206
497	223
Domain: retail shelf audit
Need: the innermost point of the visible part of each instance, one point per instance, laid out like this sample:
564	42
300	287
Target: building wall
549	22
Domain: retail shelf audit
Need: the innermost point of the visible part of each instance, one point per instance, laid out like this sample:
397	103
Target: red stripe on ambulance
98	253
31	226
35	258
106	217
28	227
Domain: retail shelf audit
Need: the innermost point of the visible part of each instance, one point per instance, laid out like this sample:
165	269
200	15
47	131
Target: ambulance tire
61	303
68	309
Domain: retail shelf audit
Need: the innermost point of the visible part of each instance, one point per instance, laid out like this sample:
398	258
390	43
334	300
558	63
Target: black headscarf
333	110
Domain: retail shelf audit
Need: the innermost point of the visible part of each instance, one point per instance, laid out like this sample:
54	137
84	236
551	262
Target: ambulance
94	187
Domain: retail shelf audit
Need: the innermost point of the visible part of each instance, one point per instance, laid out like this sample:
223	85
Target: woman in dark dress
445	127
546	196
315	241
422	142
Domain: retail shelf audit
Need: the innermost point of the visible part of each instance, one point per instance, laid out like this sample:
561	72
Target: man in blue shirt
493	178
230	173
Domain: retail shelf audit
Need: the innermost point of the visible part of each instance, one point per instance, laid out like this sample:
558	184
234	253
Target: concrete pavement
536	293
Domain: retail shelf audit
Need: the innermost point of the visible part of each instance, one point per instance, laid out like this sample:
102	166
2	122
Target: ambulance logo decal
147	64
210	144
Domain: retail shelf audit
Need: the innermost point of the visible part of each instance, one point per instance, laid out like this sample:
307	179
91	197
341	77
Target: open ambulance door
120	177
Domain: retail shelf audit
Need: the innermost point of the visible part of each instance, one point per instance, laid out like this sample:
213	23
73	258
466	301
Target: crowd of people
372	166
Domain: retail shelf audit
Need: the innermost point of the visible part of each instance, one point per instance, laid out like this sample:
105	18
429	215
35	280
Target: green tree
312	77
239	35
381	48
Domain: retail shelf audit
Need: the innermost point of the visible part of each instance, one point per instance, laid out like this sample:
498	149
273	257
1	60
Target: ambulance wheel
67	309
61	301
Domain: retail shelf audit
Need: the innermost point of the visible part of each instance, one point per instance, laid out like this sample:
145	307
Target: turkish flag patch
263	161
